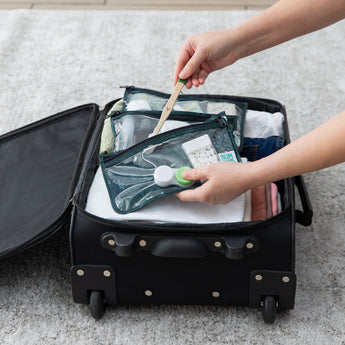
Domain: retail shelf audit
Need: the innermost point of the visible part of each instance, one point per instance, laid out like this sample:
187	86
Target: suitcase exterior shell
143	276
217	264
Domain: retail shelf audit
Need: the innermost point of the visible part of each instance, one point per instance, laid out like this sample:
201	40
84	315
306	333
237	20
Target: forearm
321	148
283	21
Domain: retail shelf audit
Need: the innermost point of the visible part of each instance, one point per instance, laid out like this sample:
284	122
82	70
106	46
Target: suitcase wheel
269	309
97	304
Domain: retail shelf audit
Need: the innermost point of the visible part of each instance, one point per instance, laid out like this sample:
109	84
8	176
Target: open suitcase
47	169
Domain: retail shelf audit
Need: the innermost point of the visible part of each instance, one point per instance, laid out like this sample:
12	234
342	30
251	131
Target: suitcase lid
40	166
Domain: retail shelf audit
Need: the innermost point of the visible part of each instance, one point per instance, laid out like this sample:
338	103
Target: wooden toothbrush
170	104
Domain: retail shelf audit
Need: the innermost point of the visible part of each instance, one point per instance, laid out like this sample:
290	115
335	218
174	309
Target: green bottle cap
181	180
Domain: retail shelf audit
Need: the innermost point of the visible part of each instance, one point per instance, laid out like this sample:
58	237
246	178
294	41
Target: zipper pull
130	87
222	121
113	113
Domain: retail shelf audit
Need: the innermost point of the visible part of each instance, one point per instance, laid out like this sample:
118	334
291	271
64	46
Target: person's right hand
225	182
203	54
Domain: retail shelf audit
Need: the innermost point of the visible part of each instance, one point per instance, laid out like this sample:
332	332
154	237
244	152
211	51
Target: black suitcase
46	170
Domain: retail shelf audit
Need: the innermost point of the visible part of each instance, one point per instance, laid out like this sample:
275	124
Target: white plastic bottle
126	136
146	126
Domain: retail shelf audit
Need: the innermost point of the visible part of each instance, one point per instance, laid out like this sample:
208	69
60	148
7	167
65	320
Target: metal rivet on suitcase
106	273
142	243
215	294
80	273
250	245
285	279
217	244
111	242
148	293
258	277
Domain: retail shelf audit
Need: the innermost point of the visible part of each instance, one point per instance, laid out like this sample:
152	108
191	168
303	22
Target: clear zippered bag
131	175
132	127
151	100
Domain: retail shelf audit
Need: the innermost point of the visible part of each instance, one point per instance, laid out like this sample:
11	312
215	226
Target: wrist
258	173
232	44
248	175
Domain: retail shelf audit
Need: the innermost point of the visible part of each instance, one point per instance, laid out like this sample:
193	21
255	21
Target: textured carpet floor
51	61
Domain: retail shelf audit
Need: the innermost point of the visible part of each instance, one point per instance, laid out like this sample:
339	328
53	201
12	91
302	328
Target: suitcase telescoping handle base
303	217
234	247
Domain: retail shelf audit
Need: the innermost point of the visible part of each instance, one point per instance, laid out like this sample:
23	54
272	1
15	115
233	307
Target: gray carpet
51	61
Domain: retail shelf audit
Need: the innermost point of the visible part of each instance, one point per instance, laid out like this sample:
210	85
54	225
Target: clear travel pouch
133	177
146	99
132	127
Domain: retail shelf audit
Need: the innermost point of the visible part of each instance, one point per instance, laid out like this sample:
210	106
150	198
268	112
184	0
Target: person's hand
225	182
203	54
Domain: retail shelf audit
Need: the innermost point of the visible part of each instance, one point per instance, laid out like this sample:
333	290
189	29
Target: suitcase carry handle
233	247
303	217
180	248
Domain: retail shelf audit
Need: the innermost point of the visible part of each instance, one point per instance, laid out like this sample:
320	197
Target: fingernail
183	74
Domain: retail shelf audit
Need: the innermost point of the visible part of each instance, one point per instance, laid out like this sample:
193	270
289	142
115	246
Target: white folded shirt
169	209
260	124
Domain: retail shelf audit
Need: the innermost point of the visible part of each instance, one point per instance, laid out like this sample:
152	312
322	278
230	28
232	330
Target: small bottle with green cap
164	176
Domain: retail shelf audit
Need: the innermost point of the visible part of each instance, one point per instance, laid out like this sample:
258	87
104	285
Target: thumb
192	65
194	174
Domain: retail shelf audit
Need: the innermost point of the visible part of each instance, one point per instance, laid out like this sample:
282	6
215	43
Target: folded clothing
107	137
269	212
257	148
274	198
259	210
248	206
261	124
167	210
265	202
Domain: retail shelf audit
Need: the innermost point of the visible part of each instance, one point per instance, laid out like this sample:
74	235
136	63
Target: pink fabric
274	198
269	212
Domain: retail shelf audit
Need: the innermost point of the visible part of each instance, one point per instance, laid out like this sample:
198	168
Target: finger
189	84
194	174
181	61
192	65
200	194
195	79
202	76
188	195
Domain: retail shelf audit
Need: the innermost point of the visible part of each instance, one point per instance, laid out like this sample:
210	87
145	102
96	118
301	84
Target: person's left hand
225	182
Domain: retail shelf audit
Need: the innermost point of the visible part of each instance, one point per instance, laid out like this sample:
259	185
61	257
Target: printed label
228	156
